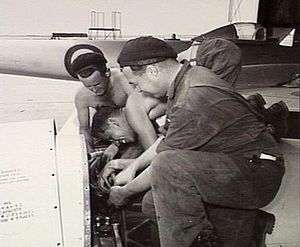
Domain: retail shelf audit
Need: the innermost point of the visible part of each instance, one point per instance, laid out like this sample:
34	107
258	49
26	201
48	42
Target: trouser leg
182	180
148	208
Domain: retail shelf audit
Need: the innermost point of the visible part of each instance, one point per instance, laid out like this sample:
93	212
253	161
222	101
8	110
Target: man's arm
139	111
119	195
83	115
157	111
139	121
144	160
197	121
129	171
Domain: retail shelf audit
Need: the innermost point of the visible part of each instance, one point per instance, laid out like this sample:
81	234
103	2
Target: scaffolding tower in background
98	29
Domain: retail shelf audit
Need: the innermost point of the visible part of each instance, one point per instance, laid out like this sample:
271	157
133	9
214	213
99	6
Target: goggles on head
86	72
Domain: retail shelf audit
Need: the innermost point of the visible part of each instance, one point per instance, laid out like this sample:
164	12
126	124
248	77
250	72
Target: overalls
185	180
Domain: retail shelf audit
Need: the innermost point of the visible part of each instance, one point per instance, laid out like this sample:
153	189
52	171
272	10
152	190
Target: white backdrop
138	17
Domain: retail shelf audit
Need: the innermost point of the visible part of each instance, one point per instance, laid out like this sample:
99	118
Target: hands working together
125	183
119	171
113	178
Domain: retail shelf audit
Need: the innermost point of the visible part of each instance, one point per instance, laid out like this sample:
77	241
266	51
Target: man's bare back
140	109
105	87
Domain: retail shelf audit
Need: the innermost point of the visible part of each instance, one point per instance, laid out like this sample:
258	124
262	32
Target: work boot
258	102
276	115
264	225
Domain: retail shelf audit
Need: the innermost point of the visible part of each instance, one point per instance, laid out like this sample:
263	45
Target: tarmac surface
24	98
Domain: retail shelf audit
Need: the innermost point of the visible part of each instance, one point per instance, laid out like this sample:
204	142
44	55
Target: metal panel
29	207
73	186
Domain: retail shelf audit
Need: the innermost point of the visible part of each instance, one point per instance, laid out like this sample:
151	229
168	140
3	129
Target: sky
156	17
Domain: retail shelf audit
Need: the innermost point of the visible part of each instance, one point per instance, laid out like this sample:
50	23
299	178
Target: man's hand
118	195
109	153
125	176
111	168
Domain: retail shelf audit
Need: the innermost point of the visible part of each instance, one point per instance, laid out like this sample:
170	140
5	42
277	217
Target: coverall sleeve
192	127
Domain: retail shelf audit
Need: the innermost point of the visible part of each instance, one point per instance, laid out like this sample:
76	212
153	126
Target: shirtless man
104	87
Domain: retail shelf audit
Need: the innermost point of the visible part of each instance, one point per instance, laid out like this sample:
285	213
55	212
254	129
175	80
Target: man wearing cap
217	149
109	88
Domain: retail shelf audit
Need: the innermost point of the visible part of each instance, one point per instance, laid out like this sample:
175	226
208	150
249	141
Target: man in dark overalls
216	151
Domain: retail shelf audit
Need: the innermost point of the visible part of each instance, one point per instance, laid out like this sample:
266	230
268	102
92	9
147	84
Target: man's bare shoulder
86	98
119	82
147	103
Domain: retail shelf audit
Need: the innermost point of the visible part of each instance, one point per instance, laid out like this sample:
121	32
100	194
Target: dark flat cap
145	50
88	59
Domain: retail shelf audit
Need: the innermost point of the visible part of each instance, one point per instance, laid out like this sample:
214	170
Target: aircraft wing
52	58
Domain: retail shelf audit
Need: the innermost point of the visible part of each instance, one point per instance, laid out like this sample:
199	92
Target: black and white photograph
154	123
